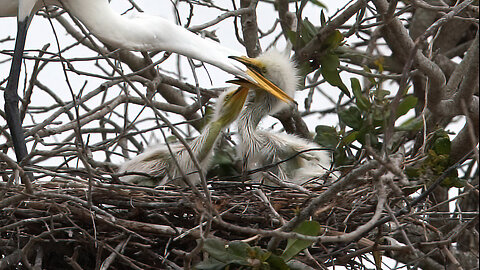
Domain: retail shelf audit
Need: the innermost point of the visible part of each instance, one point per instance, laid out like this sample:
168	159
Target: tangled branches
408	185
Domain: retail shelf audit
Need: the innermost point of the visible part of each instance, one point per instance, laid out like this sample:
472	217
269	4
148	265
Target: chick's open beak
254	71
238	98
233	105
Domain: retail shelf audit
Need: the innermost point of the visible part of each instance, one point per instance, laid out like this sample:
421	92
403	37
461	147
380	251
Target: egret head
229	105
274	72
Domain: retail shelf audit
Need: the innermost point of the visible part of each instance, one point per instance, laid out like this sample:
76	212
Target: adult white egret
261	148
158	164
139	32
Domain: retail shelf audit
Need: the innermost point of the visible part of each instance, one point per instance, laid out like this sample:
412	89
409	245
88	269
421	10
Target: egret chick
261	148
157	165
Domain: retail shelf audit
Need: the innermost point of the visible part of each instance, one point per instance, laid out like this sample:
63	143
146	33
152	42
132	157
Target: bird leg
11	96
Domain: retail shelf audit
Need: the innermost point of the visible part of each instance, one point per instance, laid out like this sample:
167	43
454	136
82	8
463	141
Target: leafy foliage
329	60
329	69
295	246
364	121
436	162
240	255
223	162
318	3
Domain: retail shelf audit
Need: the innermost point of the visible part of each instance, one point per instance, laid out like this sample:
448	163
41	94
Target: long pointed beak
250	63
254	71
233	105
242	82
239	96
238	69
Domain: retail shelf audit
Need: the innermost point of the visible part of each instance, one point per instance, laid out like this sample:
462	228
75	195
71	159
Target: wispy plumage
157	165
260	147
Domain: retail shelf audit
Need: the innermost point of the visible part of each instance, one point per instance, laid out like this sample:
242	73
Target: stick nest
67	224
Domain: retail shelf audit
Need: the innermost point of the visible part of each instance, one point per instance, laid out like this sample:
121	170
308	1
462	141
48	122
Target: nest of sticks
94	225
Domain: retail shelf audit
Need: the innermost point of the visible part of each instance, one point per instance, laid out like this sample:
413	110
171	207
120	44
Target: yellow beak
233	105
238	97
254	71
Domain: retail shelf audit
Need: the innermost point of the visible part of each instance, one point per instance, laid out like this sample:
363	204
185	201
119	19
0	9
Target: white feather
260	148
139	31
156	166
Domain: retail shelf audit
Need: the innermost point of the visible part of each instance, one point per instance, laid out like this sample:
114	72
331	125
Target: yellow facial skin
233	104
255	69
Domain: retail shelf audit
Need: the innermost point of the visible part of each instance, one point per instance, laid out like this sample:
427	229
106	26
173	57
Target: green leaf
259	253
233	253
453	181
309	30
351	137
362	101
374	142
216	248
362	138
329	65
380	94
211	264
408	103
442	146
303	70
330	62
326	136
318	3
276	262
340	157
223	163
295	246
238	255
332	41
379	117
292	36
371	79
351	117
412	124
412	172
172	139
379	63
238	248
323	21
